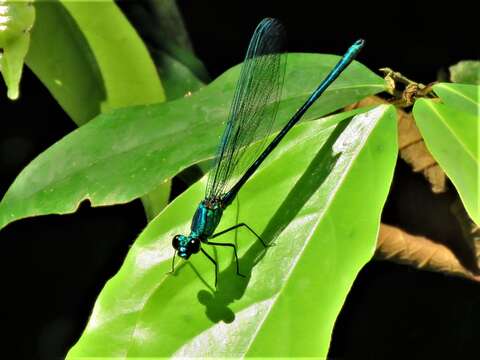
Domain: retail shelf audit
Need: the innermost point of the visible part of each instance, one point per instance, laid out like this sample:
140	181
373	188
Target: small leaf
452	138
318	196
16	21
463	97
122	155
466	72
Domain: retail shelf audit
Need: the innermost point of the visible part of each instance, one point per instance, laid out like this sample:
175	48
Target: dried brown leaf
420	252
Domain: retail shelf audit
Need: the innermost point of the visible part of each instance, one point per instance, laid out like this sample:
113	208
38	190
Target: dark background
53	267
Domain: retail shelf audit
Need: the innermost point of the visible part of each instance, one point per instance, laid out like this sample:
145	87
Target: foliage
302	200
318	197
450	130
124	154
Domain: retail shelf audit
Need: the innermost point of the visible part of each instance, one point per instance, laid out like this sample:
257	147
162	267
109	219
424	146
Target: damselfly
252	113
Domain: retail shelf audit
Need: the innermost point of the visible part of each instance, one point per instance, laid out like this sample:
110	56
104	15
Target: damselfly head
186	245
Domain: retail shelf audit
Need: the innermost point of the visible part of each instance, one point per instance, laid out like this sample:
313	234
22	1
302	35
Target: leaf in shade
161	26
177	79
306	198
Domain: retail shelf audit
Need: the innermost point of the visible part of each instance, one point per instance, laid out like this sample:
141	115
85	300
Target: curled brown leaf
397	245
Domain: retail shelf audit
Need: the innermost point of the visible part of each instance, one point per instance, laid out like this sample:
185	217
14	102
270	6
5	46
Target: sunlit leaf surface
318	197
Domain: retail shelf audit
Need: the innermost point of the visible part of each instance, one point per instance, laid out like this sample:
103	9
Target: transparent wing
253	109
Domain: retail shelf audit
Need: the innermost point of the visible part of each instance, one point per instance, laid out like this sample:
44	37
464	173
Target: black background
53	267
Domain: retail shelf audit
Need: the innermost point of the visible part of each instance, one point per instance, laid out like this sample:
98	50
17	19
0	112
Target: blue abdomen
206	220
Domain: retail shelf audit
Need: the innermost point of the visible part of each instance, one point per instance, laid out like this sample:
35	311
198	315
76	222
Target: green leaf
127	70
77	57
177	79
16	21
463	97
161	26
156	200
452	138
122	155
91	64
318	196
466	72
61	58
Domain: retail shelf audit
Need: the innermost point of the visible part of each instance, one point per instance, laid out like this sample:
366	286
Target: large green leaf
91	64
122	155
451	135
318	197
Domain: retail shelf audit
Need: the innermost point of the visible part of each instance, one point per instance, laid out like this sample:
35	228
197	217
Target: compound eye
176	242
194	245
